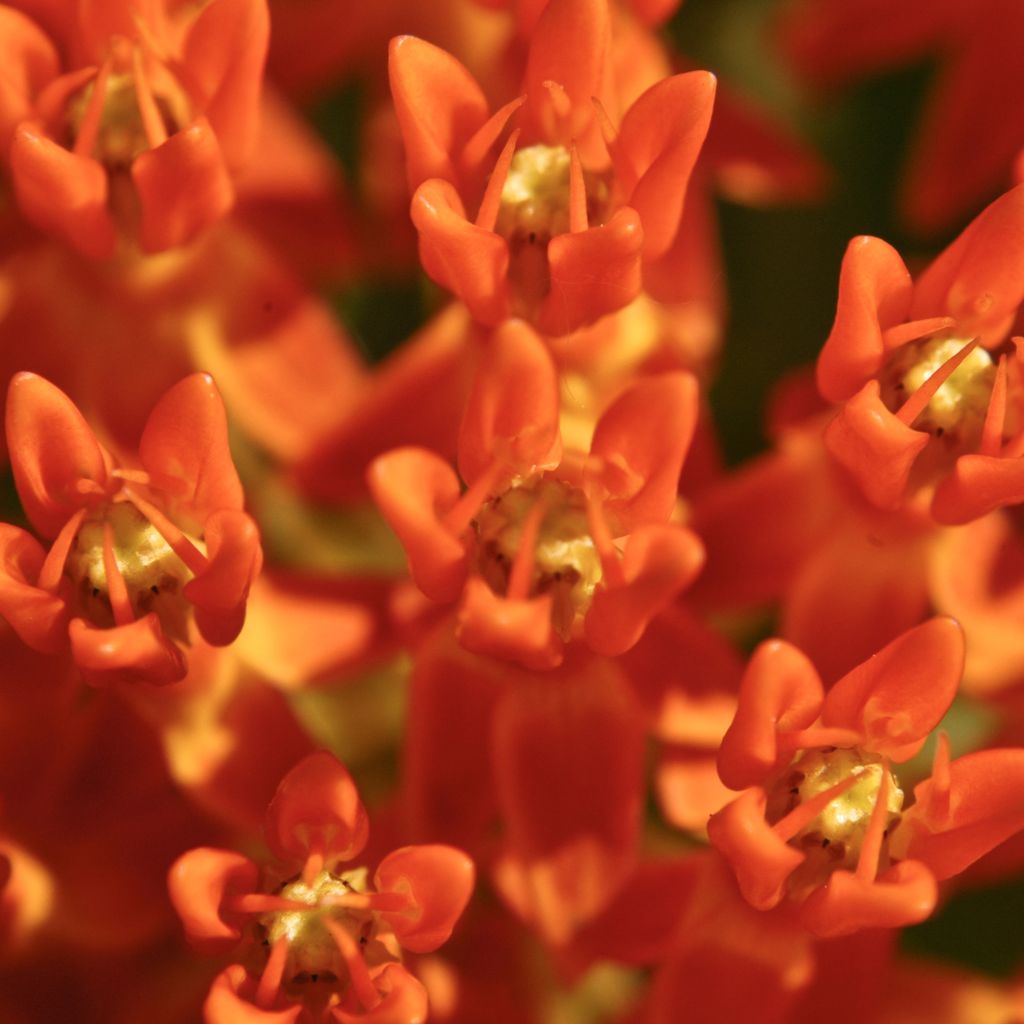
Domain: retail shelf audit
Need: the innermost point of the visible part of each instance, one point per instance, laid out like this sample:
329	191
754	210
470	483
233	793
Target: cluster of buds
500	582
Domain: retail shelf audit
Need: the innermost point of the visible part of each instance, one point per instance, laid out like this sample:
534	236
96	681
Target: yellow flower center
153	574
565	562
834	839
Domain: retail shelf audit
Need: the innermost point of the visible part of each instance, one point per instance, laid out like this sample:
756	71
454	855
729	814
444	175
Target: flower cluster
375	416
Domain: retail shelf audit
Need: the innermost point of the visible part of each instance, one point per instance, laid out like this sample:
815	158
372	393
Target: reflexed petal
38	617
414	489
136	653
30	61
219	592
761	860
231	1002
440	881
317	808
184	448
518	630
224	54
642	439
568	753
977	485
512	412
986	807
183	187
662	134
780	691
459	256
874	447
568	46
901	693
874	294
52	451
199	883
979	279
658	563
905	894
404	1002
439	107
593	272
61	192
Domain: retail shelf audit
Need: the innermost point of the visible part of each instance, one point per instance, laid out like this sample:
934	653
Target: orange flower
137	555
572	209
929	399
134	118
532	547
330	942
822	823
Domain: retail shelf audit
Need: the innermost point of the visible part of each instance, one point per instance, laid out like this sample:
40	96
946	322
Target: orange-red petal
317	809
199	883
900	694
414	489
39	617
439	879
136	653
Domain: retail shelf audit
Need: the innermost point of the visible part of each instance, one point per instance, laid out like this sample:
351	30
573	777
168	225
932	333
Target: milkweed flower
138	557
321	940
820	822
932	392
559	226
130	117
547	546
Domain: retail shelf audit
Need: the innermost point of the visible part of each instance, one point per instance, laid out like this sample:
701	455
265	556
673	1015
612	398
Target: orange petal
658	563
874	446
184	448
439	879
874	294
761	860
317	809
439	107
414	489
592	273
905	894
405	1000
518	630
459	256
900	694
61	192
136	653
512	411
39	617
977	485
219	592
979	279
199	884
985	809
53	451
662	134
231	1001
568	754
780	691
224	55
30	61
183	187
568	46
641	440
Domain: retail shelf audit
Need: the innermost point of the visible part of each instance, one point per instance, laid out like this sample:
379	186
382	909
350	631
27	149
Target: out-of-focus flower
322	942
822	823
930	399
573	208
976	107
139	556
132	118
532	548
